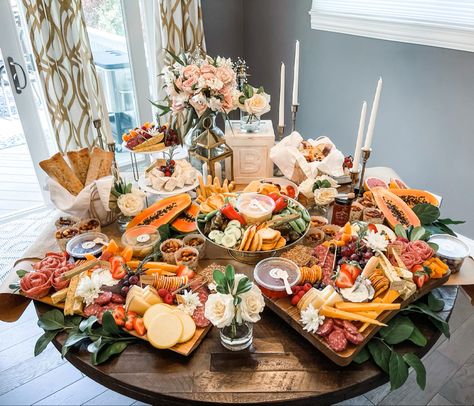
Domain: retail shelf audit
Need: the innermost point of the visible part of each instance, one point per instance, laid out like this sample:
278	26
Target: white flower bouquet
254	101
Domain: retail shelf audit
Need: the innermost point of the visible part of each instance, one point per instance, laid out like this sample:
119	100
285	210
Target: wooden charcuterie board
289	313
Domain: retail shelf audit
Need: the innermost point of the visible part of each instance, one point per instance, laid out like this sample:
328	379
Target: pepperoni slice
92	310
325	328
104	298
337	340
354	338
116	298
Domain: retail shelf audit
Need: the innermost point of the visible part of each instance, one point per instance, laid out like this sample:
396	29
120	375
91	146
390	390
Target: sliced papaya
395	210
396	183
162	212
374	182
412	197
186	221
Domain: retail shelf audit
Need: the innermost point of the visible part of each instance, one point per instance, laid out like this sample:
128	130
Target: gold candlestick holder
281	132
354	180
365	157
115	171
98	125
294	110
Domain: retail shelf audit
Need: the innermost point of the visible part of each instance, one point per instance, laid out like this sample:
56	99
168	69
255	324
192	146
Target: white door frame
30	120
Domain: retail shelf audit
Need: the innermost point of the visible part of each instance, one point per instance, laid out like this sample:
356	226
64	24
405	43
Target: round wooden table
280	367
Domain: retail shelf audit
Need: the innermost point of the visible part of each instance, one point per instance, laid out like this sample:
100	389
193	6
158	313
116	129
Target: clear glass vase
237	336
122	222
249	123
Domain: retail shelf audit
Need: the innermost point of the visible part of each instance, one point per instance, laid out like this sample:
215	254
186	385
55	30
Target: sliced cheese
333	299
327	292
165	331
138	305
189	327
59	296
318	301
151	296
153	311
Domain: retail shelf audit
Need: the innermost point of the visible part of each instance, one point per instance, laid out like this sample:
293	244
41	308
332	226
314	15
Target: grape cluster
128	280
171	137
356	251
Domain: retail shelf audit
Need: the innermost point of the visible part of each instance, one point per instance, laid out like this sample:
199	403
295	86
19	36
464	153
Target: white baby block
251	151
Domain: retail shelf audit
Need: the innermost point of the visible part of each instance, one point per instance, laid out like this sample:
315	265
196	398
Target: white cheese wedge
154	311
165	331
333	299
138	305
189	327
327	292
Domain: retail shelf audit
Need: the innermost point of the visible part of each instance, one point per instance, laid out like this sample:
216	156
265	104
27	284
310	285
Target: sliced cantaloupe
165	330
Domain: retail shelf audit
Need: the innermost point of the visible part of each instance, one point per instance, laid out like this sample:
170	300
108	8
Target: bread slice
79	161
100	165
57	169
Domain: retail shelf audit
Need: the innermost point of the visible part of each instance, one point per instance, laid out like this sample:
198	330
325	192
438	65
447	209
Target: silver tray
252	257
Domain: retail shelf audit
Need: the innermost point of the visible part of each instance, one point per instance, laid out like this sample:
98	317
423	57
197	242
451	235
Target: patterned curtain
63	57
177	26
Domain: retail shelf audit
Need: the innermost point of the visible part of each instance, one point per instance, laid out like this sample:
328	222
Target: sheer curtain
63	57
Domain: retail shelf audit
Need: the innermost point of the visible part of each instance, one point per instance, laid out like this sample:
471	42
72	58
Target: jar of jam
341	211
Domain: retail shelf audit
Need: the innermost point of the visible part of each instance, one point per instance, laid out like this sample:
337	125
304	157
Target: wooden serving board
184	349
283	308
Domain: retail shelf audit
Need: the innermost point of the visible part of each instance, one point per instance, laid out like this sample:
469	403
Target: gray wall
425	125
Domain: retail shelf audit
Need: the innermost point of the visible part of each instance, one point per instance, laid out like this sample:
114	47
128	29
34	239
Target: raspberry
295	299
168	299
163	292
307	286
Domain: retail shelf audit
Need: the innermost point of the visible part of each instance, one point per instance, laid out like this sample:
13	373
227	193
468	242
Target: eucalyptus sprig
103	341
398	330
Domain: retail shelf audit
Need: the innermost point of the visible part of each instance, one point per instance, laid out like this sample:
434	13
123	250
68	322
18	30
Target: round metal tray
252	257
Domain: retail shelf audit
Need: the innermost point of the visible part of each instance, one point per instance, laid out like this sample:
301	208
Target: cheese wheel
154	311
189	327
165	331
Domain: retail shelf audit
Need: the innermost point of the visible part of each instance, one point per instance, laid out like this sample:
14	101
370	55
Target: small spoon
278	273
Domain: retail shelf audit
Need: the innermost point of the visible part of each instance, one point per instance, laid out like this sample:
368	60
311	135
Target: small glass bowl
168	254
83	244
187	256
274	287
142	239
196	241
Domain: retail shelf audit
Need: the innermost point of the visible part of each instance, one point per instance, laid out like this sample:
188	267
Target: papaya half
162	212
186	221
412	197
395	210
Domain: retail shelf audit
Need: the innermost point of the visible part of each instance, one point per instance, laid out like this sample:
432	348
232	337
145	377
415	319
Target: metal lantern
211	148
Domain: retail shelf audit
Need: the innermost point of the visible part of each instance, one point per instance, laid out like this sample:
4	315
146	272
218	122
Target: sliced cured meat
92	310
36	284
421	248
199	318
354	337
116	298
325	328
337	340
104	298
338	323
348	326
57	281
411	258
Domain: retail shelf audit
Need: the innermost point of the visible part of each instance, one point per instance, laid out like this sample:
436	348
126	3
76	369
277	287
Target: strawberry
307	286
344	279
139	326
353	269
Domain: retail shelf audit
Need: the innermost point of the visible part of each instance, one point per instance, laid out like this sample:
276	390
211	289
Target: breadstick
209	180
231	186
225	186
217	182
202	188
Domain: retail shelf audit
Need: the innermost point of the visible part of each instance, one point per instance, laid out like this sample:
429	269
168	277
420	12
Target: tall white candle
296	73
360	135
281	111
105	119
89	89
373	116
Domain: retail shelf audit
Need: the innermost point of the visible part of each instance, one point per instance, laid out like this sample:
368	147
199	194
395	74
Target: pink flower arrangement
203	84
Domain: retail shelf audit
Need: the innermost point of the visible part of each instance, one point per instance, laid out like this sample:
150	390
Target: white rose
251	306
324	196
215	104
258	104
219	309
306	187
130	204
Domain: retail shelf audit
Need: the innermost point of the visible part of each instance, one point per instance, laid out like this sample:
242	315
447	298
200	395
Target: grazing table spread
280	366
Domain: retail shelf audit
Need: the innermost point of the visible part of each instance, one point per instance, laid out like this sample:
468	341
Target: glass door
23	143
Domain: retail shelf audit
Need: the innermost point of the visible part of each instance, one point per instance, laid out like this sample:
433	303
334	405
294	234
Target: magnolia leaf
52	320
380	353
427	213
44	340
21	273
444	228
71	341
435	304
106	351
398	330
400	231
109	325
230	276
398	371
418	367
94	346
450	221
87	324
418	338
219	278
417	233
362	356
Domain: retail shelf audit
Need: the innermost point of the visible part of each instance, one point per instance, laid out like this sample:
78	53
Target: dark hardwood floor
50	380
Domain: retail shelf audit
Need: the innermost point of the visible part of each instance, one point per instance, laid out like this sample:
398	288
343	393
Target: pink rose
208	69
228	103
179	83
189	83
199	106
208	76
226	75
190	71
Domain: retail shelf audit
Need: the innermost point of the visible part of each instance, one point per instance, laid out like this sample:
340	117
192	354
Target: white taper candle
360	135
373	116
281	110
296	73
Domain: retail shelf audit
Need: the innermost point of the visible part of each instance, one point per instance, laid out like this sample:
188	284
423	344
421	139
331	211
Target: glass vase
237	336
122	222
249	123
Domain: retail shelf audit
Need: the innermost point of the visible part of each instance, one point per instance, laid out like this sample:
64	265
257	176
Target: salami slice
118	299
411	258
57	281
36	284
338	323
421	248
325	328
337	340
199	318
104	298
348	326
353	337
92	310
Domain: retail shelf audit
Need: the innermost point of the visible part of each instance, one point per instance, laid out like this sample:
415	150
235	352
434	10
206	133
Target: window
441	23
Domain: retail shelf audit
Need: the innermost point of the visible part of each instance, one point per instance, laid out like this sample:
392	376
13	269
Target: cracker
57	169
100	165
79	161
250	238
